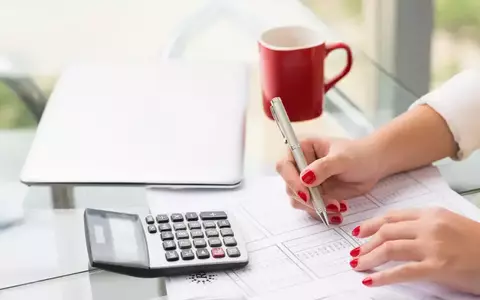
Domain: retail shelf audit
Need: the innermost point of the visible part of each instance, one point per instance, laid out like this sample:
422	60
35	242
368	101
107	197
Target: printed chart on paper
293	256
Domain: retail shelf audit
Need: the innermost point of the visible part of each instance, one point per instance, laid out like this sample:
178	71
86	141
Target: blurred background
39	37
455	38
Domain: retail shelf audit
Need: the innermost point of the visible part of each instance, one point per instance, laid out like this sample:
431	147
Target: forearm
417	138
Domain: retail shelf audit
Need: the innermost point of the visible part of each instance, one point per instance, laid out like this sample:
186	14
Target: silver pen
283	122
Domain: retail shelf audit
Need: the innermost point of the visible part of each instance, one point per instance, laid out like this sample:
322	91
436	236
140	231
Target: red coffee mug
292	68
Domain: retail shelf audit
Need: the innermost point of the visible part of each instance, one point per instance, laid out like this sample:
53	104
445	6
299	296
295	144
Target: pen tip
324	218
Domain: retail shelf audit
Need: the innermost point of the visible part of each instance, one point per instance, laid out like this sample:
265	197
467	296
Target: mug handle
334	46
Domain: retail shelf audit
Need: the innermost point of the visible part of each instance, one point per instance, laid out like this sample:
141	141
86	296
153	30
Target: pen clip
272	110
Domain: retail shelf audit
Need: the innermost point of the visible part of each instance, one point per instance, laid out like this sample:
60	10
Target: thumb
321	169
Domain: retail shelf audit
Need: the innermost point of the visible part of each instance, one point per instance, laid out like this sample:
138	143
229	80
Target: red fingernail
367	281
343	207
332	208
308	177
335	220
302	195
356	231
355	252
354	262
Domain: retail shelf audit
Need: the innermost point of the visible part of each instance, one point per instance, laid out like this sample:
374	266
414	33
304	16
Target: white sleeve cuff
458	102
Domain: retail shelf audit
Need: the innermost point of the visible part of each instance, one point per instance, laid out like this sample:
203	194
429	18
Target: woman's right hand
343	168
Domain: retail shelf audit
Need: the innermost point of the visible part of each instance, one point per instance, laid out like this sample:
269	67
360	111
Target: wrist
415	139
376	147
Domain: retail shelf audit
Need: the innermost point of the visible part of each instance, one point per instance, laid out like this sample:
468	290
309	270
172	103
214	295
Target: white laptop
175	123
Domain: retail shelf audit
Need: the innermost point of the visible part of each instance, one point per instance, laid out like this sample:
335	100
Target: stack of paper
292	256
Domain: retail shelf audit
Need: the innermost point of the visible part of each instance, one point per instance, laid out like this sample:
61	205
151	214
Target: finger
335	218
343	206
290	192
308	149
298	203
314	215
297	195
332	205
289	173
371	226
398	250
321	147
337	189
410	271
321	169
390	232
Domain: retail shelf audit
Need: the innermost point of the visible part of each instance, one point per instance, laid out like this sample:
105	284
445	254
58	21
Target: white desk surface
48	234
97	285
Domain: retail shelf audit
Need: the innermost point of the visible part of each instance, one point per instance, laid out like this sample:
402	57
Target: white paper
292	256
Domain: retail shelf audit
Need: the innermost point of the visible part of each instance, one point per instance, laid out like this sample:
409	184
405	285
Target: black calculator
164	244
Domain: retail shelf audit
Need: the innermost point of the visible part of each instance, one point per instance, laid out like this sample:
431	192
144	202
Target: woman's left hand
436	245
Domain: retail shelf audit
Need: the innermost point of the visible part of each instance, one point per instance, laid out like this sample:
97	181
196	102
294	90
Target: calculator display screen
117	238
124	241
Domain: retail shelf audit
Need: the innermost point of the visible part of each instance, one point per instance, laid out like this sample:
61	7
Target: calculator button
213	215
167	235
233	252
164	227
171	255
196	234
199	243
229	241
176	218
211	232
162	218
214	242
169	245
187	254
152	228
226	232
184	244
182	234
223	224
218	253
191	216
179	226
149	219
194	225
203	253
209	224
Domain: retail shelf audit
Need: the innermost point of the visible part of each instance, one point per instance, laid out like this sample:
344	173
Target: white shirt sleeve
458	102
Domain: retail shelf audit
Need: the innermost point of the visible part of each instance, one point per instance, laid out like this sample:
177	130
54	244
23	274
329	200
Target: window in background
456	38
392	42
345	16
347	19
13	112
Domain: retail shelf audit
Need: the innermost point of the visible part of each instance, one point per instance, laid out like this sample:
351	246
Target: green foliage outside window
459	17
13	113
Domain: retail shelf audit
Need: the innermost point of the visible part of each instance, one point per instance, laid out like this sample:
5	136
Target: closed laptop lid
172	123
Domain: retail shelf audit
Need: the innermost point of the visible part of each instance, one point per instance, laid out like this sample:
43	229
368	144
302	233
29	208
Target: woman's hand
436	245
343	168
